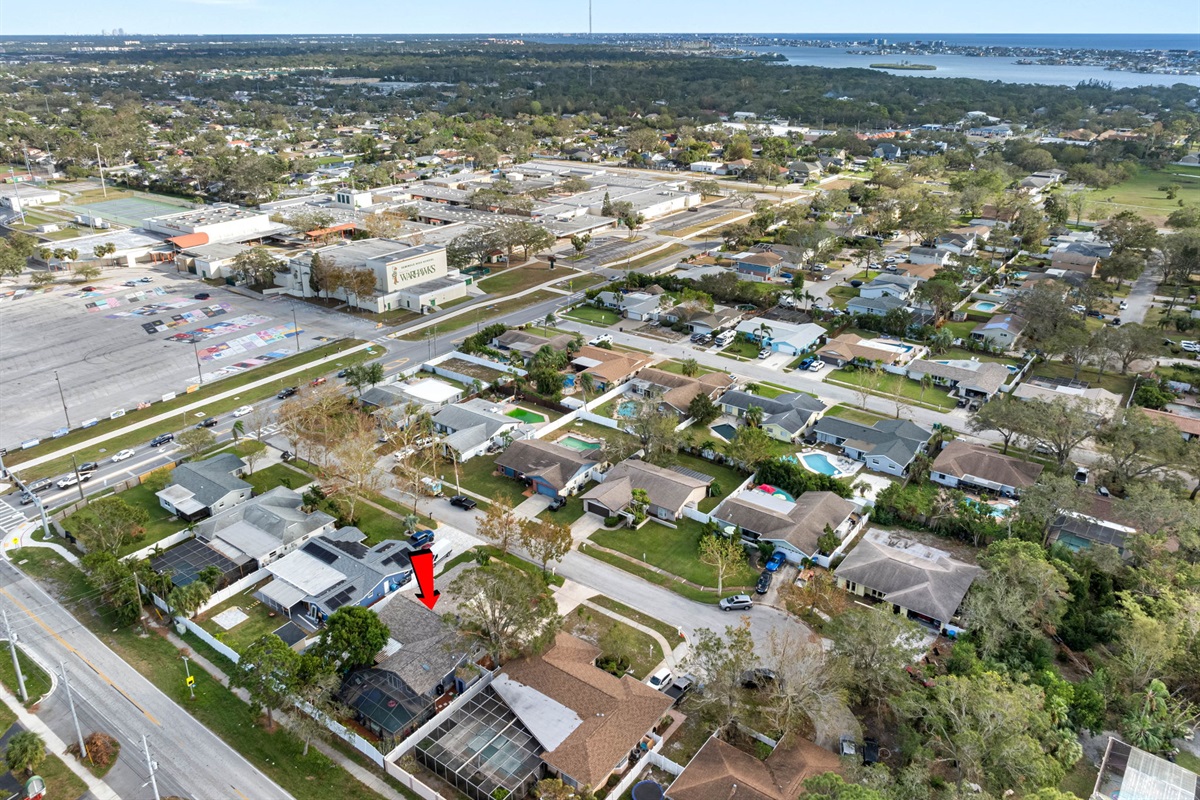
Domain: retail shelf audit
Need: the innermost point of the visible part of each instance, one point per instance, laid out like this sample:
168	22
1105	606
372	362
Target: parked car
826	277
463	502
661	679
89	289
1191	347
1121	306
341	374
202	295
603	338
317	381
122	455
777	560
286	456
764	353
764	583
1095	314
288	392
243	411
162	438
1078	309
210	422
816	366
130	283
421	538
1115	322
557	503
737	602
806	363
145	280
679	687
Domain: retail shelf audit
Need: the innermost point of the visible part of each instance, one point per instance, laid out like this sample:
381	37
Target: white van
724	338
441	550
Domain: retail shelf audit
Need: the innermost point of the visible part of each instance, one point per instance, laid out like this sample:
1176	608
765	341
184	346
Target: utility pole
100	164
296	325
62	670
196	353
150	763
78	479
63	399
12	648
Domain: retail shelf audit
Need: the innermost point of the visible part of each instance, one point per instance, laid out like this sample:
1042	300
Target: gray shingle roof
428	649
553	463
898	439
211	479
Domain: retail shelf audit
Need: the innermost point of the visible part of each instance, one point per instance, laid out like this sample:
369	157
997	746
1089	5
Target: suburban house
1078	531
793	527
472	428
977	468
677	391
875	306
555	714
1000	331
804	171
608	368
782	337
264	528
413	675
720	771
634	305
976	380
1189	427
922	272
1075	262
528	343
922	583
786	417
850	348
333	570
701	320
758	266
200	489
961	243
889	445
898	286
550	469
1103	401
669	491
929	255
429	394
888	151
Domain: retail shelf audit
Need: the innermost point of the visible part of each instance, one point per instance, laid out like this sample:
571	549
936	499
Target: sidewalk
176	413
671	656
363	775
97	788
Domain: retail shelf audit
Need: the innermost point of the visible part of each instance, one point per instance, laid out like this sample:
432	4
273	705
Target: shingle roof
885	303
721	771
903	572
850	346
664	487
211	479
613	714
678	390
262	524
553	463
429	649
799	523
982	376
960	459
894	437
790	412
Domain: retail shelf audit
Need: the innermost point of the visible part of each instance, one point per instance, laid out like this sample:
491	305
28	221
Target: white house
782	337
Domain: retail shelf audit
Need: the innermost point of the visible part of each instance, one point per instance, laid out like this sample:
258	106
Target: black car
1095	314
286	393
88	467
557	503
764	583
211	422
202	296
163	438
463	502
342	373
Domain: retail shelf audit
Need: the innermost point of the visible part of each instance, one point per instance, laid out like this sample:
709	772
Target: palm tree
809	299
689	367
754	417
586	384
926	382
763	332
26	751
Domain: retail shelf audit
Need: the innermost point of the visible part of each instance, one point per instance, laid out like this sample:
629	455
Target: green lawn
593	316
961	330
37	682
647	260
261	619
1112	381
650	576
956	353
278	754
677	367
839	295
139	436
726	478
378	525
1140	193
518	279
484	313
477	475
771	390
267	478
642	652
161	525
853	415
742	347
895	385
668	632
572	511
676	551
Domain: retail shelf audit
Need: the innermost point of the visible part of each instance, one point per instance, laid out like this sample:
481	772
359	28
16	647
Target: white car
1079	309
243	411
826	277
1191	347
1122	305
764	353
603	338
890	260
816	366
661	679
121	456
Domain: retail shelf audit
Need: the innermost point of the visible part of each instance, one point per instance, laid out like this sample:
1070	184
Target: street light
63	399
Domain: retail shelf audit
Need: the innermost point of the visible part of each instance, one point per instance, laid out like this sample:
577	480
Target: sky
22	17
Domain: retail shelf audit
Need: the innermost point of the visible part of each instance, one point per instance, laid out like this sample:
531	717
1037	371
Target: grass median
483	314
137	436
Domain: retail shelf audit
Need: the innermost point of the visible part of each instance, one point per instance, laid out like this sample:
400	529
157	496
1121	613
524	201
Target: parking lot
117	346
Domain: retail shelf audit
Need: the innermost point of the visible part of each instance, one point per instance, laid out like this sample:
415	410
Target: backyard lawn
162	523
615	638
518	279
676	551
267	478
477	475
957	353
1112	381
260	620
890	385
593	316
726	478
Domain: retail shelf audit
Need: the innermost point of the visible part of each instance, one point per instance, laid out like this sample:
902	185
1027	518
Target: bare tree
724	554
355	459
499	524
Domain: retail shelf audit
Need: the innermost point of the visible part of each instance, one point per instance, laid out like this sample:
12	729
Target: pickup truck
679	687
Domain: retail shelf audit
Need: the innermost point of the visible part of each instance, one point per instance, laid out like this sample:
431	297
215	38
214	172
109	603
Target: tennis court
129	210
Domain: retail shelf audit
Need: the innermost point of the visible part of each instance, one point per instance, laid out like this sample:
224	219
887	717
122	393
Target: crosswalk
12	521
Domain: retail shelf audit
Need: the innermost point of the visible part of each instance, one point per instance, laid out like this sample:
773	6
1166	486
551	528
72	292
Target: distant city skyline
884	17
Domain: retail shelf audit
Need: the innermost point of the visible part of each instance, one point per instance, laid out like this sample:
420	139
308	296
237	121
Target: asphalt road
113	697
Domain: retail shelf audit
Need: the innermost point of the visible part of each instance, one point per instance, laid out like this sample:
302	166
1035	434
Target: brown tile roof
850	346
961	458
721	771
680	389
614	713
617	366
1188	425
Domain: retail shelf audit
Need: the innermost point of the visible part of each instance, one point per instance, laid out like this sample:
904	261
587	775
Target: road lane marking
41	623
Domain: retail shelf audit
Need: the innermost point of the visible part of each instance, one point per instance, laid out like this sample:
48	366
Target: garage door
596	508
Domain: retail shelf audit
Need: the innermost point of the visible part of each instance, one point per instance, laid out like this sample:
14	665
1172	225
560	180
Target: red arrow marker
422	564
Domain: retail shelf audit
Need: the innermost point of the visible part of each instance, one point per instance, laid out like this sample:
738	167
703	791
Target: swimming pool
819	462
997	510
724	430
575	443
627	409
985	305
774	491
525	415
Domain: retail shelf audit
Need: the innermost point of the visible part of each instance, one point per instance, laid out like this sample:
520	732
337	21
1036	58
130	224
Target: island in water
903	65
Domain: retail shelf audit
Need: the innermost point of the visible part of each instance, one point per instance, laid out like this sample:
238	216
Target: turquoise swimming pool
576	443
997	510
627	409
985	305
819	462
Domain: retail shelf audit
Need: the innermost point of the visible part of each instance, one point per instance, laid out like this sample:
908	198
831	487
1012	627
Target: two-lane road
113	697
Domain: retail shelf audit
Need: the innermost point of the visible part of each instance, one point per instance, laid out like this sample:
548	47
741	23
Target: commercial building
213	224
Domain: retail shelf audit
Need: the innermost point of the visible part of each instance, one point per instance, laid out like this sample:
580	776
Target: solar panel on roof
353	549
339	600
320	553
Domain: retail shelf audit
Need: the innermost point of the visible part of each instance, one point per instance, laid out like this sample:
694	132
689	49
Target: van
724	338
441	550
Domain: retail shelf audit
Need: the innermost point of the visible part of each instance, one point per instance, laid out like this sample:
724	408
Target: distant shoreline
902	66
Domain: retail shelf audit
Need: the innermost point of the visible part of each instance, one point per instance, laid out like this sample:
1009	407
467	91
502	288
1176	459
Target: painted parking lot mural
244	344
222	328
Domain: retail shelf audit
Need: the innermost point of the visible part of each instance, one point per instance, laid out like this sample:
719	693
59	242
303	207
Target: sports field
1142	194
127	210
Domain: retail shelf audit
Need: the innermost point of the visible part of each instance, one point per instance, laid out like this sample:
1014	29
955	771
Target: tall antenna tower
589	42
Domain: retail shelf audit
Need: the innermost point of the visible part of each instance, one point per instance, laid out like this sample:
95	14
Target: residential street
113	697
